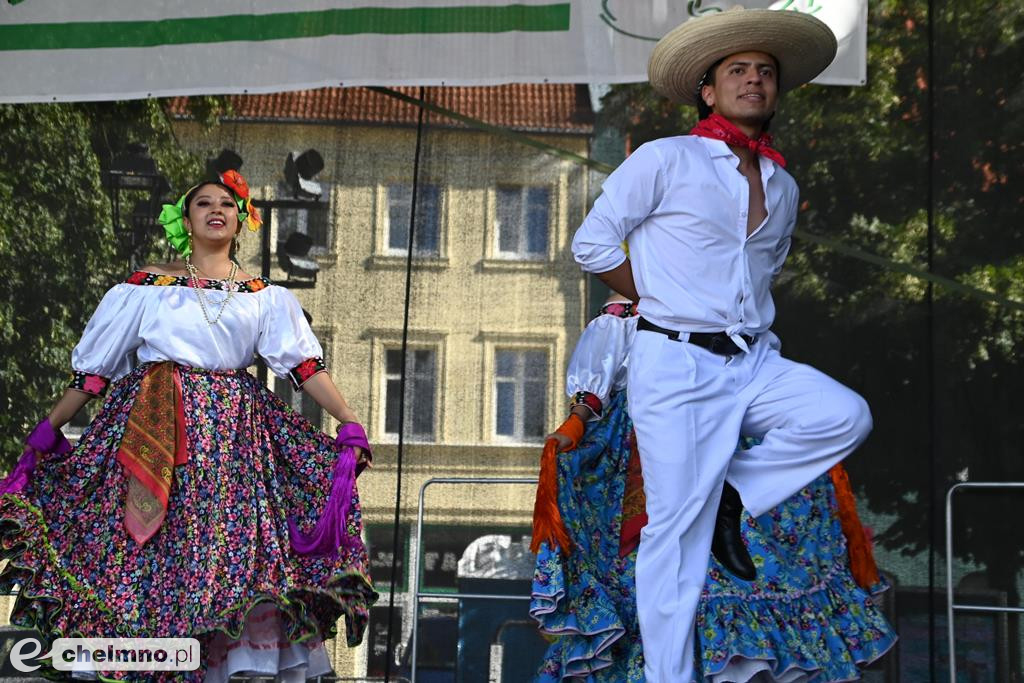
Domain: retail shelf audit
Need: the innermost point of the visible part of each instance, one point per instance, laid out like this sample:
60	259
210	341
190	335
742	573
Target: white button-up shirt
681	205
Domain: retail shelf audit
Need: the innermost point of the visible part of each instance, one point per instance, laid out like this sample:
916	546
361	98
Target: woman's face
212	215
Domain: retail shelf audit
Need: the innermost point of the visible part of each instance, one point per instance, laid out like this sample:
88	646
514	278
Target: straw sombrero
803	45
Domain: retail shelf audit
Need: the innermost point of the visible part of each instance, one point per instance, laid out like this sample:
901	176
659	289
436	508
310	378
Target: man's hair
703	110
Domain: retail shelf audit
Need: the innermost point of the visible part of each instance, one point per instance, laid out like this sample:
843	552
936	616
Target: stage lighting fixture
299	170
293	257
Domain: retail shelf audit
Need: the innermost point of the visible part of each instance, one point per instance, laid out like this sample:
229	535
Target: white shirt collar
718	148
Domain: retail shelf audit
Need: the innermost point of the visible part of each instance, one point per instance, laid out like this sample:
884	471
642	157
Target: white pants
689	407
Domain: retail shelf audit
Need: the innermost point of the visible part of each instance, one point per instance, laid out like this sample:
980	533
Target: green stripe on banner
285	25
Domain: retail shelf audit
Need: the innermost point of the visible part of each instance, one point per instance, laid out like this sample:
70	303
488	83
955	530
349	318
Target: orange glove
547	519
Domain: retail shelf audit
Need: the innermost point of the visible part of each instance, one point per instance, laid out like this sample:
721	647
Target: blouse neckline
145	277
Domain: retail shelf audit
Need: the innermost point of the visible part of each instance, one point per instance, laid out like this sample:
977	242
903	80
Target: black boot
727	543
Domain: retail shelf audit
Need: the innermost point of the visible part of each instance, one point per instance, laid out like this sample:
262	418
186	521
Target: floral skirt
803	618
221	553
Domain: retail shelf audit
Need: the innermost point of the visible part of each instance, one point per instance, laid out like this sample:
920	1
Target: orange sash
547	518
858	546
153	444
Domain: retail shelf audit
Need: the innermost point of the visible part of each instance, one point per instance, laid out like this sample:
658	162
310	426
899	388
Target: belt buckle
723	345
716	346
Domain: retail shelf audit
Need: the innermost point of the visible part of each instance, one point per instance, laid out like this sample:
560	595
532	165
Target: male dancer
708	218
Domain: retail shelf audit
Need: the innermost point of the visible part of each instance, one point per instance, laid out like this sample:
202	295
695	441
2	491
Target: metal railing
419	595
951	606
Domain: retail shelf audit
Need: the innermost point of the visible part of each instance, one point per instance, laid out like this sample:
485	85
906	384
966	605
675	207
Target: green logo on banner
810	6
285	26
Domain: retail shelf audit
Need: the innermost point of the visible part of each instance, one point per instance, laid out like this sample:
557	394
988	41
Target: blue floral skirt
803	617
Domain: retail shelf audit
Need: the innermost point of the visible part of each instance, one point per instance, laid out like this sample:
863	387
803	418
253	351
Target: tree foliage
57	242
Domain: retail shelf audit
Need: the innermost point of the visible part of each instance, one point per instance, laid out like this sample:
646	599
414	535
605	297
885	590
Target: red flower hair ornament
247	212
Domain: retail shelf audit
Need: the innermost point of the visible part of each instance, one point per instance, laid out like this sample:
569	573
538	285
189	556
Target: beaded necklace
227	285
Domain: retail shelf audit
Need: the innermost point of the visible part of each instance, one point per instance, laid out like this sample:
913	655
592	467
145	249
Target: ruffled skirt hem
38	605
767	637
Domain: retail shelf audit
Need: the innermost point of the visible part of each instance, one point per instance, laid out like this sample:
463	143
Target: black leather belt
715	342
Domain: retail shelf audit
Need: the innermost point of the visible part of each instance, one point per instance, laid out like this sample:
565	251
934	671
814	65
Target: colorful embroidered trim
620	309
143	277
90	384
585	398
306	369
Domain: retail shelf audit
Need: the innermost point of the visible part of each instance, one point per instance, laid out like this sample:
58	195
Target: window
521	214
520	391
420	392
427	239
300	401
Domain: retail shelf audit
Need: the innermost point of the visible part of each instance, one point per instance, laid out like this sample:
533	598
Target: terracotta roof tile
538	107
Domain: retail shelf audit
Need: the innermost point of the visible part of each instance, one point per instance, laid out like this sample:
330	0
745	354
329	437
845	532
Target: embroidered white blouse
154	318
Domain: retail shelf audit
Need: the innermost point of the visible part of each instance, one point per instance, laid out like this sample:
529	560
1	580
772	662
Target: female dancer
803	617
196	504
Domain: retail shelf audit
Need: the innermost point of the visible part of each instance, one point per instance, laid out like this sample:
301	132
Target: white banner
56	50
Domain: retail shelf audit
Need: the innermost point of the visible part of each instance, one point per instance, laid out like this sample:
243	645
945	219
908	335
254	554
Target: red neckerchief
717	127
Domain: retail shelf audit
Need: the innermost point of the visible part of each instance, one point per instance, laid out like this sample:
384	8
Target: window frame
494	341
387	377
523	254
384	218
382	340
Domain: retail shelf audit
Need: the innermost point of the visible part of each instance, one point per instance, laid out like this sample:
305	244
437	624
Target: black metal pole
268	222
930	356
401	396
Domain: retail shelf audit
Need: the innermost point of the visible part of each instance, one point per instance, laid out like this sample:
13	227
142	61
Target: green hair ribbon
172	217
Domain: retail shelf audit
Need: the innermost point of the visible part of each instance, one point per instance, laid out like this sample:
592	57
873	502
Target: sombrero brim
804	47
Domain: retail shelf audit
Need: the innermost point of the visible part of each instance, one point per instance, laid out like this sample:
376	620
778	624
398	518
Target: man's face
746	88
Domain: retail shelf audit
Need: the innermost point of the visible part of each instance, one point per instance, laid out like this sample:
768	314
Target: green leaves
57	243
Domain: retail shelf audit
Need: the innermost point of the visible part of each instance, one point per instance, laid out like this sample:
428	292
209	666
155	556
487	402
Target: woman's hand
322	390
563	441
351	433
